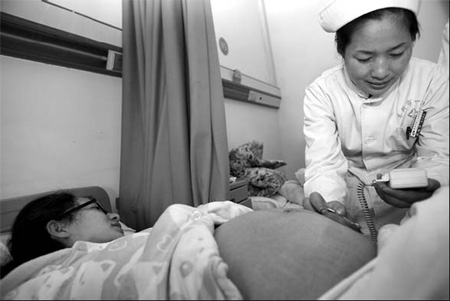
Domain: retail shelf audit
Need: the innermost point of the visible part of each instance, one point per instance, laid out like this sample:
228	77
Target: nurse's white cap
333	14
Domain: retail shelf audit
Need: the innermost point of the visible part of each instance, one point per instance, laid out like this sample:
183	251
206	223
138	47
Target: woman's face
378	53
93	225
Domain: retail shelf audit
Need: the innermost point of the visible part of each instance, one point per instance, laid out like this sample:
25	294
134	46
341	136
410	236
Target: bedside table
238	191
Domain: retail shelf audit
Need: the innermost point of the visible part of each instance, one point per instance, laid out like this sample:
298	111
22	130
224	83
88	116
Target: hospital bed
220	250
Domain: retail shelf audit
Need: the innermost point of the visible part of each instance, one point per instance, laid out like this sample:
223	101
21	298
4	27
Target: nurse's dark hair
344	34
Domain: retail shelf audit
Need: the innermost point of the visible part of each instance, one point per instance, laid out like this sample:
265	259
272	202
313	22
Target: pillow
5	255
289	254
127	230
277	201
261	203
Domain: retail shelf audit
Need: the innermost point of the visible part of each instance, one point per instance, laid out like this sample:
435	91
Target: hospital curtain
174	146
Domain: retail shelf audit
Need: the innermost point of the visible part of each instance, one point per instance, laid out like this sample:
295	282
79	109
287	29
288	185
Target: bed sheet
289	196
412	261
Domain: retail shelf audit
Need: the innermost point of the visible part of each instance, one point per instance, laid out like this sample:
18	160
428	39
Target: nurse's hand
333	210
315	202
404	198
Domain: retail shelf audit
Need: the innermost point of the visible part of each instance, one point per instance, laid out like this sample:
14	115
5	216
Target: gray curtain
174	145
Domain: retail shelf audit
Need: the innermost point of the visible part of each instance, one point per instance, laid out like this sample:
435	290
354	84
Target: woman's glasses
76	208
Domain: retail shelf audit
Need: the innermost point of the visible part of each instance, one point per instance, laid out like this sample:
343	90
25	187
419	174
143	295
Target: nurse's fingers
307	204
318	202
338	207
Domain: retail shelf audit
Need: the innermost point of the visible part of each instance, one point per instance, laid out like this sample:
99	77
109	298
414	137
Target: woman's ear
57	229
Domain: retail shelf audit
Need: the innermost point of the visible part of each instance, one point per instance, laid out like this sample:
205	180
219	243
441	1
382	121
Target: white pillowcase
5	255
127	230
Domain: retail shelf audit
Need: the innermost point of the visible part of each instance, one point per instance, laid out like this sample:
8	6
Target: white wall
302	50
66	20
243	25
433	16
60	128
247	122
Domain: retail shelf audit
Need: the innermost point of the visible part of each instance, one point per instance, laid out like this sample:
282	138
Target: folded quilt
176	259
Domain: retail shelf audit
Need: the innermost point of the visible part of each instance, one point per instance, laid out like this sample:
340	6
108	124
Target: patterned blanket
176	259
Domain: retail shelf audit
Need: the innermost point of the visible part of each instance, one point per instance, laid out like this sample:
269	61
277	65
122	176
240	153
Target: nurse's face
378	53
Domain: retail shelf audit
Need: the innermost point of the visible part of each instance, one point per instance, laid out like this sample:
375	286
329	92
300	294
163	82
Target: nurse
359	116
443	59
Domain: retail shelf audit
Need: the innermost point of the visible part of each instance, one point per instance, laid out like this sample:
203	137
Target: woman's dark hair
29	236
344	34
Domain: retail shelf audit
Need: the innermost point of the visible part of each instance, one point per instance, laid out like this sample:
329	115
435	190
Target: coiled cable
366	211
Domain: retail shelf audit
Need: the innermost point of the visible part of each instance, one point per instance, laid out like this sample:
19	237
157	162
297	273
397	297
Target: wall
250	50
60	127
247	122
73	22
433	16
302	50
243	25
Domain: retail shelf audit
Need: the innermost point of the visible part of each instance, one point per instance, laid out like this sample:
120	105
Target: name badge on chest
414	129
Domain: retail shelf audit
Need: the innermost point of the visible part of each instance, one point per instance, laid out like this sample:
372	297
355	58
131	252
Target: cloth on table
263	179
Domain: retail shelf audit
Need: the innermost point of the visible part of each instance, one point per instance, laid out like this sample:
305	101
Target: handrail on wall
29	40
